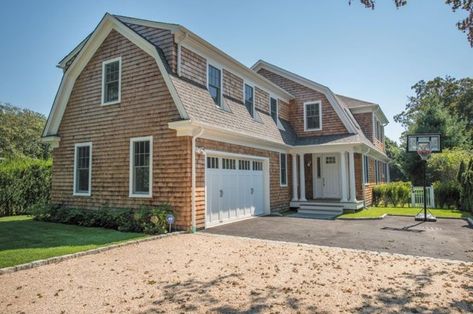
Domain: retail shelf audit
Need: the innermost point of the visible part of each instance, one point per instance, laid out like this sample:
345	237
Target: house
150	113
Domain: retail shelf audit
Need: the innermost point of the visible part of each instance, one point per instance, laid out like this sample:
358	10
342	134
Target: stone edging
57	259
470	221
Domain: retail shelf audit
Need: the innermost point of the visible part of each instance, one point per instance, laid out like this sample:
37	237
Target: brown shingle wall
372	180
283	108
279	196
358	176
193	66
145	109
261	100
161	38
365	120
331	123
232	85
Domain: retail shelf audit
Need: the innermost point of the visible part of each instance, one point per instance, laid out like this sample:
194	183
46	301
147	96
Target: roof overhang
339	109
106	25
374	108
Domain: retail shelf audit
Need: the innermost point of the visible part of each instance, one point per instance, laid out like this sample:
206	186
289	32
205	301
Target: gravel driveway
221	274
446	238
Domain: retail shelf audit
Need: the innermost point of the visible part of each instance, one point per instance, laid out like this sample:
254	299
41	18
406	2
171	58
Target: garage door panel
233	193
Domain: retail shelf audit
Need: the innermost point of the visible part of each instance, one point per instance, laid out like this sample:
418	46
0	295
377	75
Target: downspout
194	138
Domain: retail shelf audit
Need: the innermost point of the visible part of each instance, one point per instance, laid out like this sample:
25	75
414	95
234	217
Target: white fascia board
375	109
260	64
98	36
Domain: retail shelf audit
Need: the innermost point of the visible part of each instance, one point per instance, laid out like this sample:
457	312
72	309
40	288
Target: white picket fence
417	197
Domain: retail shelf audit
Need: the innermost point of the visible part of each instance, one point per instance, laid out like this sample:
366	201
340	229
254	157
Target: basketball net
423	150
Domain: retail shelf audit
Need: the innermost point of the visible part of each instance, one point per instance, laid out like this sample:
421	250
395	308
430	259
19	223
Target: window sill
140	196
110	103
81	194
283	185
310	130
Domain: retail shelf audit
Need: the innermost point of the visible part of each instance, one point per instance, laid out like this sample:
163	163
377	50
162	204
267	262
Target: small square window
229	164
257	165
212	162
244	165
330	160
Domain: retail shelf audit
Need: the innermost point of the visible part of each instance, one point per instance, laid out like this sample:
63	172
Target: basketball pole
425	190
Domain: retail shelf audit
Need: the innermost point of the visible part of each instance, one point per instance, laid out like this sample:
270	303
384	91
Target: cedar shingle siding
146	108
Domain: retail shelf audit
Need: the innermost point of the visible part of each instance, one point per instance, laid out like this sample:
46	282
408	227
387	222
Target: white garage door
235	188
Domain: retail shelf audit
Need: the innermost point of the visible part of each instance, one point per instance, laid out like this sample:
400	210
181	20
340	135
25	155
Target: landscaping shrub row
23	183
147	220
394	193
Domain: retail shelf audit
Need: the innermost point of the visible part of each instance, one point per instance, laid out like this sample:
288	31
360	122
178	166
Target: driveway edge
57	259
363	218
470	221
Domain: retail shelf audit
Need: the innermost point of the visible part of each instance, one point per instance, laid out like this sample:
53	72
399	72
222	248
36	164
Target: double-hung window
249	99
283	169
366	169
111	81
141	169
312	116
82	169
274	109
215	84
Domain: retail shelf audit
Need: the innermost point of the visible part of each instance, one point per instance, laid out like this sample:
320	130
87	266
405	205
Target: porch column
294	178
302	177
351	158
343	171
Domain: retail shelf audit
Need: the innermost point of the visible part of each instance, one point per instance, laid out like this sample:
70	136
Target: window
312	116
274	109
379	130
212	162
244	165
366	169
319	170
82	169
283	169
330	160
257	165
111	81
141	160
376	171
228	164
249	99
215	84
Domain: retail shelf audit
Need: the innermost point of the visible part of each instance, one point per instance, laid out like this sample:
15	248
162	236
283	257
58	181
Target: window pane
215	84
249	99
111	81
82	169
274	109
283	168
141	163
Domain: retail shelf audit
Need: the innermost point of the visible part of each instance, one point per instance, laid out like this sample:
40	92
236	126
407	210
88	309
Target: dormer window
111	81
274	109
249	99
215	84
312	116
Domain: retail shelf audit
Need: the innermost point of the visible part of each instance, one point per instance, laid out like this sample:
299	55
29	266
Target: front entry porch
324	183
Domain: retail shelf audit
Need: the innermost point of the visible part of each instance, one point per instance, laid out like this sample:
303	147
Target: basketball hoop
423	150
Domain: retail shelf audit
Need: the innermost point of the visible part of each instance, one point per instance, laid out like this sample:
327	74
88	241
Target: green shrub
394	193
23	183
444	166
147	220
465	180
447	194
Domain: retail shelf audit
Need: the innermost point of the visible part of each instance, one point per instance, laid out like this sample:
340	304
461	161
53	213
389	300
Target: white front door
330	176
235	188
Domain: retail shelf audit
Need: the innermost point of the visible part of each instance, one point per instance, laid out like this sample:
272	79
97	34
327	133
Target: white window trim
74	188
103	103
254	96
130	179
280	177
219	67
320	115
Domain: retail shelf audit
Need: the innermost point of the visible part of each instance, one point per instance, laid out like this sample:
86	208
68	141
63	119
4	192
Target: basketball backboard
417	141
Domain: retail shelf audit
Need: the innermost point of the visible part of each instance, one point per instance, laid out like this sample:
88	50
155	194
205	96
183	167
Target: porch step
324	210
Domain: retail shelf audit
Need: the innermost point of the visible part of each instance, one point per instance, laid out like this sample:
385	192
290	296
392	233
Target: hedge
147	220
394	193
23	183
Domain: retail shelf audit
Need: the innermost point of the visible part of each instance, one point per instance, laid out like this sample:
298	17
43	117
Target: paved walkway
446	238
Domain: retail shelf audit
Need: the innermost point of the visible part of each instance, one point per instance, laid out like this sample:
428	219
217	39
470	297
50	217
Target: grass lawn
23	240
405	211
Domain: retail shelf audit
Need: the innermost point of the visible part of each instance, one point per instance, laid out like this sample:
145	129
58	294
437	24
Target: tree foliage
465	25
20	131
396	154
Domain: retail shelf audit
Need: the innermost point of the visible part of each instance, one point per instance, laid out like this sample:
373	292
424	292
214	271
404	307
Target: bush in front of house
393	193
146	220
465	180
447	194
23	183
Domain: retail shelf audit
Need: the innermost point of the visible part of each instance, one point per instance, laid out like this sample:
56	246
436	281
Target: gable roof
359	106
345	115
85	53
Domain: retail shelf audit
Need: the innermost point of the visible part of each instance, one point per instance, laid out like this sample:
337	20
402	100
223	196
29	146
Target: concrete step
313	216
321	210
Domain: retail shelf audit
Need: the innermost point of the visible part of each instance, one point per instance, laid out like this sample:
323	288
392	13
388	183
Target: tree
465	25
395	153
20	131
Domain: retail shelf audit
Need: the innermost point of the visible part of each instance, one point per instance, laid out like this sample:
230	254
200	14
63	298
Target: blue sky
373	55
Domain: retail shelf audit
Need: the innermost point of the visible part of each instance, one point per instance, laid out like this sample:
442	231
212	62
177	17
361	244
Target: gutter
194	138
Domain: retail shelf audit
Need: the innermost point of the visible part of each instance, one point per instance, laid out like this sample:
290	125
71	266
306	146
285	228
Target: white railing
417	197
